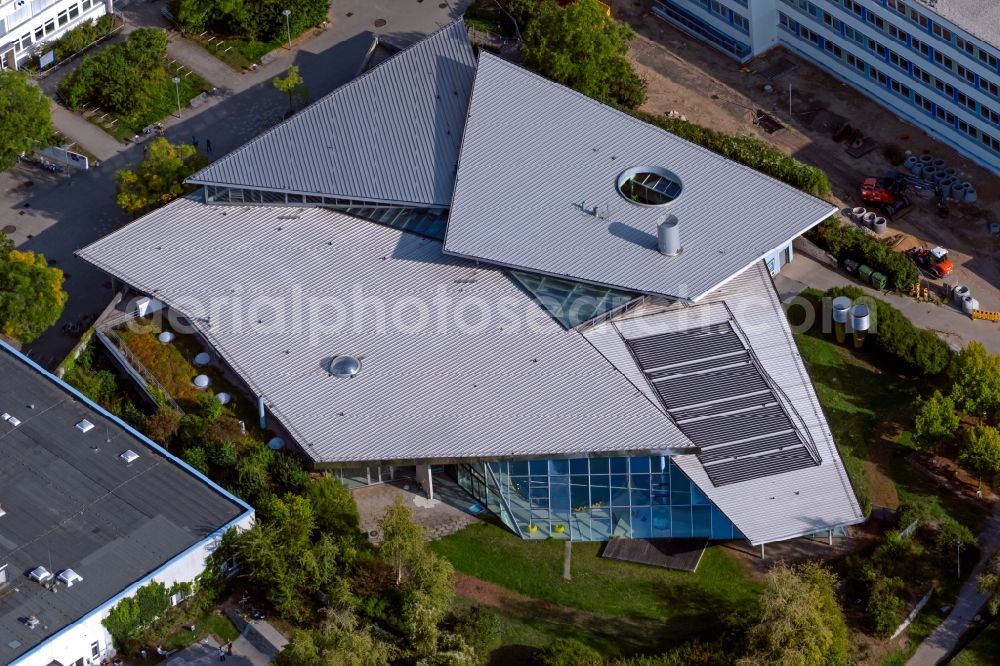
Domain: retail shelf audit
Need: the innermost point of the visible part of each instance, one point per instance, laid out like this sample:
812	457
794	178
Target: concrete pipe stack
869	219
841	313
911	162
958	190
879	225
970	193
959	294
969	304
858	214
938	164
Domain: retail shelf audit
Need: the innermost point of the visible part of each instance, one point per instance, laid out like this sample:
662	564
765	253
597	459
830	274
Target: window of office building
990	142
988	59
832	22
899	61
899	88
786	22
854	35
919	18
943	60
877	75
923	103
50	26
968	129
989	114
25	42
856	63
741	22
809	35
835	50
63	17
942	32
966	73
854	7
74	11
966	101
720	9
877	48
947	116
946	88
965	45
922	75
897	6
918	45
86	4
876	20
897	34
39	33
988	86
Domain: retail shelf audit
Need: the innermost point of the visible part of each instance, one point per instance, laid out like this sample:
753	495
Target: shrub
162	425
209	408
259	20
334	506
287	472
845	242
749	151
195	456
570	652
935	419
480	627
894	334
81	37
975	376
948	532
885	607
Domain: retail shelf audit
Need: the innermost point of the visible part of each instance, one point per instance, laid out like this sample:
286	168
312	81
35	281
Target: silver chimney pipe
668	236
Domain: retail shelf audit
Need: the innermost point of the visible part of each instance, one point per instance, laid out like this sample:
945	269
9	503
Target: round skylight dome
345	367
649	185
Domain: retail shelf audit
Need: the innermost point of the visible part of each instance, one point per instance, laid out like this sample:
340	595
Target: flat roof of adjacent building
980	18
537	189
72	502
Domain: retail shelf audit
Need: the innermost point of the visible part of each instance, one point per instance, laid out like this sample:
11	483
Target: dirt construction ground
689	77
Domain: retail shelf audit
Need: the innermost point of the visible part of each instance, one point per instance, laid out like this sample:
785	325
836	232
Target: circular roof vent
649	185
345	367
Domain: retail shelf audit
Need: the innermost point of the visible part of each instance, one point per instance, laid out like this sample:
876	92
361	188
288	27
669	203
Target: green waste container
879	281
865	272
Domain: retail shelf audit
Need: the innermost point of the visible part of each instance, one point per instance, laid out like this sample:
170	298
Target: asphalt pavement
56	214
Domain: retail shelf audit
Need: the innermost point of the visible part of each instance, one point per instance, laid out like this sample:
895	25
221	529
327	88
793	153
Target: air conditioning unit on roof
40	574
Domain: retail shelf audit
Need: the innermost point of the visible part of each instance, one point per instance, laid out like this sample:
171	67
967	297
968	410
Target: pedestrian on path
229	649
145	151
222	654
208	145
143	654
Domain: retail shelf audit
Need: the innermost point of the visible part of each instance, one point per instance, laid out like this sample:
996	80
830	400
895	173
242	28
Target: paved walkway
446	514
970	603
947	321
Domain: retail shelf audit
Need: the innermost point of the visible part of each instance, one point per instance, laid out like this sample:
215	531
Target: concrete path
970	603
85	133
951	324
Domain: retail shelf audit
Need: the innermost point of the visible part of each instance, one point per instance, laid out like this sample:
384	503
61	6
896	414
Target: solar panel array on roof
720	399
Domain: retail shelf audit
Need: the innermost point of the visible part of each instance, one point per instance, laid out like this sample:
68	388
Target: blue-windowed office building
934	63
454	263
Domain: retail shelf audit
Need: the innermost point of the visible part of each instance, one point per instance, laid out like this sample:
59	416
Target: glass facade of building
596	499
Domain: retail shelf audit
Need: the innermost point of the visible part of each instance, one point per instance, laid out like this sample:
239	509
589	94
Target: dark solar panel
703	375
745	469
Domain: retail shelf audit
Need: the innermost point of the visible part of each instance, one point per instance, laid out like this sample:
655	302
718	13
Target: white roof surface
514	384
390	135
779	506
980	18
558	154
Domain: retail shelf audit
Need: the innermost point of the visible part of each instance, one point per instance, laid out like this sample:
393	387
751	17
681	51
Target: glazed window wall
596	499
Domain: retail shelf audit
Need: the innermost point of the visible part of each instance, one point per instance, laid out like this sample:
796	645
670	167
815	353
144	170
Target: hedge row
82	36
746	150
846	242
894	334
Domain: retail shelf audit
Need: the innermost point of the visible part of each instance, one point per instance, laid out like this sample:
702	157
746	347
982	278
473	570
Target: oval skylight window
345	367
649	185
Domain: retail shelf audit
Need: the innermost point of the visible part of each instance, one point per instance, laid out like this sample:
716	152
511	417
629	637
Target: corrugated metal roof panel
390	135
559	154
438	381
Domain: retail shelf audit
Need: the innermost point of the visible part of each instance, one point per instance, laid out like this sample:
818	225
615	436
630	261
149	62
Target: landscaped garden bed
129	86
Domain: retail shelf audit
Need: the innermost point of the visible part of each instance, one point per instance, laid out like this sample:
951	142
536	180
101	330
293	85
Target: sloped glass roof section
572	303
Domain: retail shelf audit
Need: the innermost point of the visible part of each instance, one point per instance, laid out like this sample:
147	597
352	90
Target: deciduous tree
25	121
801	623
159	179
402	539
31	295
981	451
334	507
975	375
340	640
935	421
292	85
579	45
989	583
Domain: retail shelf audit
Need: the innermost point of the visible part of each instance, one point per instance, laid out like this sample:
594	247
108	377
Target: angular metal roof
764	501
390	135
456	360
536	190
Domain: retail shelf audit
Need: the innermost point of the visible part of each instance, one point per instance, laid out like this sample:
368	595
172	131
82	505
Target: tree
292	85
580	46
981	451
25	120
402	539
159	179
338	641
935	421
334	507
801	623
31	295
989	583
975	375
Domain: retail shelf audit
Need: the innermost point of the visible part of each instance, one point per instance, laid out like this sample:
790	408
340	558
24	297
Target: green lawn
984	650
212	623
856	399
692	603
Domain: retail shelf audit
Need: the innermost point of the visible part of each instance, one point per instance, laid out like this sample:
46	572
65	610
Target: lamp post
177	91
288	26
958	557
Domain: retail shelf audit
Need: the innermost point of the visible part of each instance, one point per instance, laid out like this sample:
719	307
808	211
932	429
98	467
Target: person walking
145	151
208	145
222	654
229	649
